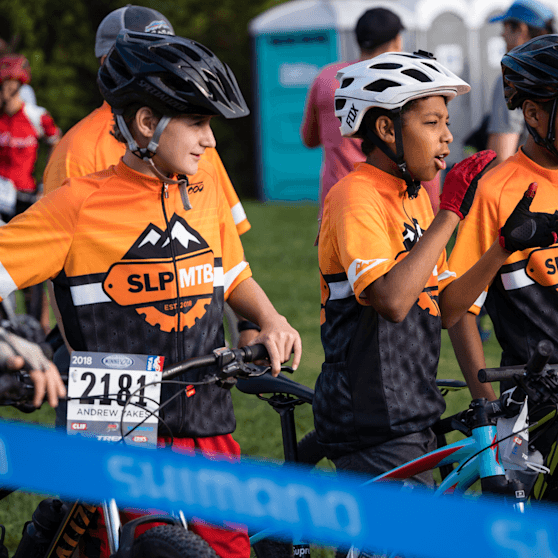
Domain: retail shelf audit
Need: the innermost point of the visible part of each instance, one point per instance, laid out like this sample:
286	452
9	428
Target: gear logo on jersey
149	279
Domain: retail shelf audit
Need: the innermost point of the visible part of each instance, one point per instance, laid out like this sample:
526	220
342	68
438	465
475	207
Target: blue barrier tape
326	509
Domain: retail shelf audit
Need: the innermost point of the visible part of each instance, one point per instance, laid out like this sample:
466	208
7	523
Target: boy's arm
280	339
467	346
392	295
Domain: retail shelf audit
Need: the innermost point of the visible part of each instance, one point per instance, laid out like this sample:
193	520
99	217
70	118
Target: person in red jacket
22	126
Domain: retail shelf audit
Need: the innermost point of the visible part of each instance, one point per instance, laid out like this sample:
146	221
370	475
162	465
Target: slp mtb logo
351	117
150	280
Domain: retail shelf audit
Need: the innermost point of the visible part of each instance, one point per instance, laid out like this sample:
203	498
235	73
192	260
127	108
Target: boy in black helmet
140	266
522	299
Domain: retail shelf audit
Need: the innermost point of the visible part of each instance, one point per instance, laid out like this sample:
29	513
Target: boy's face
183	142
8	89
426	137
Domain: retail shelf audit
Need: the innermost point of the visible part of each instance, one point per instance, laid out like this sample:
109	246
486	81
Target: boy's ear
145	122
532	113
384	129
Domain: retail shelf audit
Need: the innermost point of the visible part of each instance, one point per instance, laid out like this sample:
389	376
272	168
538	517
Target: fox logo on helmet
160	268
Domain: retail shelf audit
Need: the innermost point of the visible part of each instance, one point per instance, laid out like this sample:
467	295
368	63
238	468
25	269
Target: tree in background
57	36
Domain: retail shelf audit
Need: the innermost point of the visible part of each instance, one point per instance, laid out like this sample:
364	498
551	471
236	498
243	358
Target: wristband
243	325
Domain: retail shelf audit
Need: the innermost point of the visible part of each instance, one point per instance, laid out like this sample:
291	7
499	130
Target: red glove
525	229
461	182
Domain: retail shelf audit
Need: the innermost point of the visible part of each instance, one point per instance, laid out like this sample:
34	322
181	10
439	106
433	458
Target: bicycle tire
171	541
309	453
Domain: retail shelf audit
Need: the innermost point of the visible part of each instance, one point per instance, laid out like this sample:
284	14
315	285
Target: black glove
525	229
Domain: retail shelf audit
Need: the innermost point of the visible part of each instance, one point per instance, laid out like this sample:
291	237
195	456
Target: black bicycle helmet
170	74
530	71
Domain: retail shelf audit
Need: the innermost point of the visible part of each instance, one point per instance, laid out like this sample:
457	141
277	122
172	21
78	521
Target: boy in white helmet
385	295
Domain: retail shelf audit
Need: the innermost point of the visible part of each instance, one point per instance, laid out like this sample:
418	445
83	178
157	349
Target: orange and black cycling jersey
134	272
378	379
89	147
522	299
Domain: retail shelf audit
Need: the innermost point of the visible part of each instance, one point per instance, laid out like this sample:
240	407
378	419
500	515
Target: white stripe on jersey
445	275
88	294
7	284
218	277
238	213
516	280
480	301
340	290
233	273
358	267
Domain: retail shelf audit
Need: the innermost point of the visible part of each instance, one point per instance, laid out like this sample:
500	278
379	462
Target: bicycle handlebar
536	365
222	357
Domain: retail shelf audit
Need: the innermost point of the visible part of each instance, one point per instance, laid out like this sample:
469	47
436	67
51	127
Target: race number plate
112	378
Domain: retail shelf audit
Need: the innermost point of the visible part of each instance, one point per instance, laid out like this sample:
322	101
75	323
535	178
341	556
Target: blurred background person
22	126
524	20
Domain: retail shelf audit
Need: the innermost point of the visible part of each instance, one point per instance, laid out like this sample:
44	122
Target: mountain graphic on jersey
150	280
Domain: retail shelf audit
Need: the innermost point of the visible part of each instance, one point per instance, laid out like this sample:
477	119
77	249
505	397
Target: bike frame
477	457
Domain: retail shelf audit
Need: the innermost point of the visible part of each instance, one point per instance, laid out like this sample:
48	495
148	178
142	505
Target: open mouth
440	162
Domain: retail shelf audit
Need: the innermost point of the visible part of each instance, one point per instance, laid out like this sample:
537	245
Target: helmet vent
188	52
340	103
381	85
386	66
546	59
416	74
432	67
347	82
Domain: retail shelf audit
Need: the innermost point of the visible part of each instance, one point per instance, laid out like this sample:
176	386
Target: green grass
284	262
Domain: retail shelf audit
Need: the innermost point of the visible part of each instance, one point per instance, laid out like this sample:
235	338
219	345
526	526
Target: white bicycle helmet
389	81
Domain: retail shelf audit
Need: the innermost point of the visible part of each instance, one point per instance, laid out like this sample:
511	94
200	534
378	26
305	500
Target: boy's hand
525	229
281	341
461	182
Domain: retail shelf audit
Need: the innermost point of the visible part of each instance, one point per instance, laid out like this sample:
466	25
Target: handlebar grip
487	375
11	388
255	352
540	357
536	364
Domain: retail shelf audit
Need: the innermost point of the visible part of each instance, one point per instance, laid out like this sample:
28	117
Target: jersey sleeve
476	234
361	237
238	213
235	268
34	245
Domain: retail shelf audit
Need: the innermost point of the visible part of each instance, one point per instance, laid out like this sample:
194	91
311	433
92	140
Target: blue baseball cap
530	12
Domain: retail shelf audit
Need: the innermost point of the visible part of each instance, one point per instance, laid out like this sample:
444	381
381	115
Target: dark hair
369	121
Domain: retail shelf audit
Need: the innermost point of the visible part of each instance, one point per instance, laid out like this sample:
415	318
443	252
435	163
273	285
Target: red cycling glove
525	229
461	182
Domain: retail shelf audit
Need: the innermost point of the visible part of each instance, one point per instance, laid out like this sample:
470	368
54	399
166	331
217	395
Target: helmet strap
413	186
147	153
548	142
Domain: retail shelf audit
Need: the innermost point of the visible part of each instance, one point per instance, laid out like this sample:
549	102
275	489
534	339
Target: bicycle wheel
171	541
309	453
